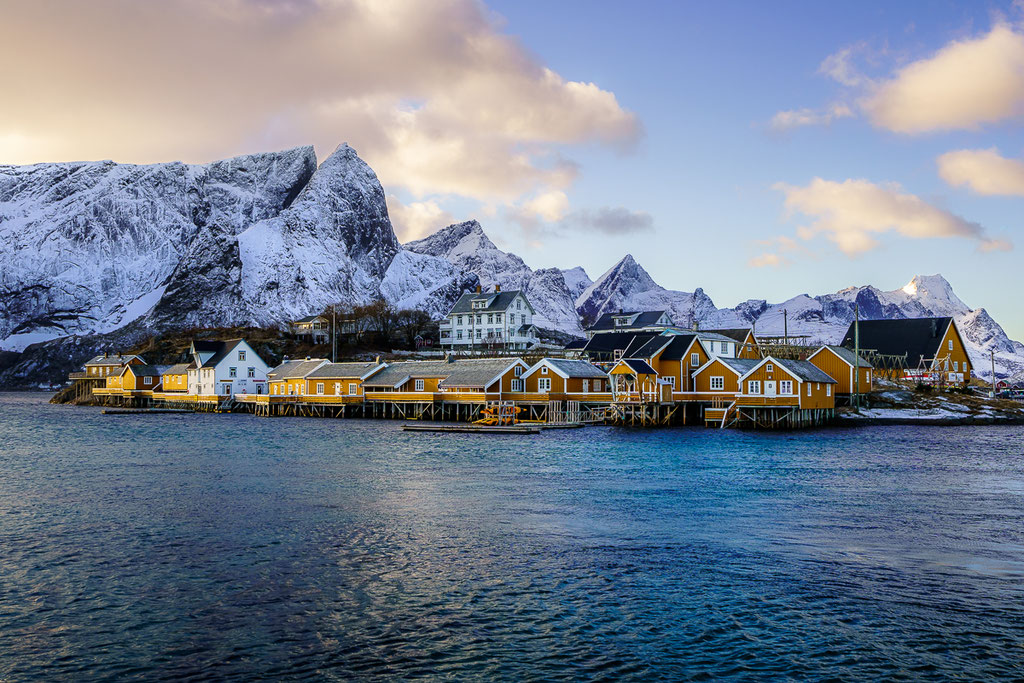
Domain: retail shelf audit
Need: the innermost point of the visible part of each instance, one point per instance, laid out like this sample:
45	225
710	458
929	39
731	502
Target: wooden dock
472	428
144	411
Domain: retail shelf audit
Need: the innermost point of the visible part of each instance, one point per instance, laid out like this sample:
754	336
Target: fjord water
234	547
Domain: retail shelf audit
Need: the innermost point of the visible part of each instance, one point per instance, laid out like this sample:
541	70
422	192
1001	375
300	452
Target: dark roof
677	349
294	369
342	370
609	342
738	333
916	337
396	373
643	319
502	300
179	369
220	350
146	370
575	344
740	366
576	368
847	355
639	366
116	359
307	319
475	373
807	371
200	346
646	348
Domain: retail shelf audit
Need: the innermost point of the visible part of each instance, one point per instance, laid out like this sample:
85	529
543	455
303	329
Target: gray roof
502	300
307	319
848	355
116	359
639	366
147	370
396	373
741	365
294	369
576	368
714	336
475	373
807	371
179	369
643	319
343	370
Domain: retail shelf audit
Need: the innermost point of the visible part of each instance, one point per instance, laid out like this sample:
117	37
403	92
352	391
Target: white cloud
984	171
840	68
853	213
434	95
417	219
965	84
549	206
766	259
795	118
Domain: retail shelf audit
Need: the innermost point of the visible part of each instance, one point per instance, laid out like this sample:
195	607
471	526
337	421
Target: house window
252	373
519	305
497	317
950	344
479	319
517	385
717	383
544	384
419	385
769	368
523	316
458	334
956	366
147	380
586	386
694	360
490	318
754	386
232	372
597	385
670	380
519	370
544	370
275	389
785	387
353	388
320	388
241	355
828	389
617	354
809	388
479	334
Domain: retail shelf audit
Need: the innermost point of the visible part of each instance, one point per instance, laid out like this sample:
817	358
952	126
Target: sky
755	150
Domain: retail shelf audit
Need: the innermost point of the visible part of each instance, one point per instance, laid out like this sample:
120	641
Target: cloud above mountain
440	102
854	212
984	171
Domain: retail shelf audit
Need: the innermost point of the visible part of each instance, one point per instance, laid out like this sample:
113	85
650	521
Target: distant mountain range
97	254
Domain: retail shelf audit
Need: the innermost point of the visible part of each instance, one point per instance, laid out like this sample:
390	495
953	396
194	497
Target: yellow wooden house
933	348
289	378
175	379
565	379
341	379
841	364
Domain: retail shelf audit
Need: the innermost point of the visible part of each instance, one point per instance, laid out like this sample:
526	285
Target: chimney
497	288
479	289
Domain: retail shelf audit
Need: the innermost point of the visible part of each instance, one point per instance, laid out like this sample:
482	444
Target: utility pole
334	333
785	327
992	357
856	356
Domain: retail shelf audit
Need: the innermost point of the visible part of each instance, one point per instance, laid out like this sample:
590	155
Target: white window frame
232	372
754	387
717	382
597	386
544	370
785	384
808	389
769	368
828	389
147	380
543	384
586	386
320	388
241	355
694	360
518	371
517	385
419	385
950	344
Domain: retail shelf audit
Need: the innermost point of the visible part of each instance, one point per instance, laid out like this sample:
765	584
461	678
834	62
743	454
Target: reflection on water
228	546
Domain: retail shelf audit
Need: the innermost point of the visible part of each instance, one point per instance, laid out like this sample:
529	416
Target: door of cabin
226	389
769	388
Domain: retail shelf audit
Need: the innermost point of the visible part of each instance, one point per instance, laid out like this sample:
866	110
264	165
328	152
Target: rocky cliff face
89	246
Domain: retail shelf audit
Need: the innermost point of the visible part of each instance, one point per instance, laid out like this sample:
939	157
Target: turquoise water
233	547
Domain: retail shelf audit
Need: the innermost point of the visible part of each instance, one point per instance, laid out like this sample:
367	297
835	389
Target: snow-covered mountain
469	250
577	280
88	248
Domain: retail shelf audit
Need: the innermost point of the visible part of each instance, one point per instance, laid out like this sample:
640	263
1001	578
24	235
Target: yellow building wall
958	354
835	367
819	397
702	381
557	382
331	390
749	348
429	384
175	382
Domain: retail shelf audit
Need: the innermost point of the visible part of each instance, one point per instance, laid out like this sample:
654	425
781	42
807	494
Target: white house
224	368
487	320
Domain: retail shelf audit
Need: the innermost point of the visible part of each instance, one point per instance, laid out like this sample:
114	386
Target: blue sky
756	150
705	80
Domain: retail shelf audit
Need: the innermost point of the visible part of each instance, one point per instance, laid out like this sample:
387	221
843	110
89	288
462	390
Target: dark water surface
234	547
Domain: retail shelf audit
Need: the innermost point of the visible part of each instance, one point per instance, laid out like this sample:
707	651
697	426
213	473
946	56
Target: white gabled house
481	320
225	368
